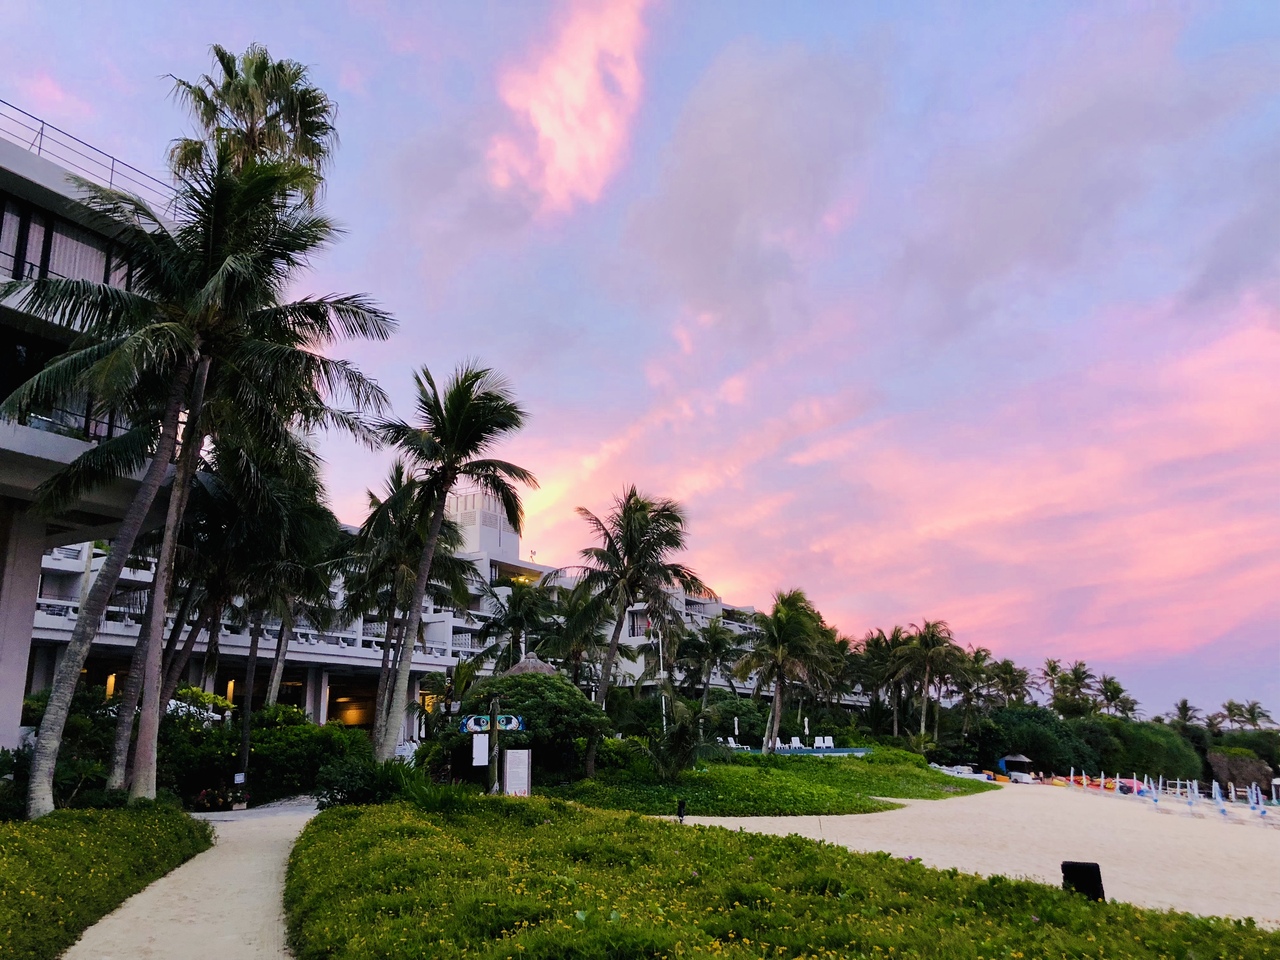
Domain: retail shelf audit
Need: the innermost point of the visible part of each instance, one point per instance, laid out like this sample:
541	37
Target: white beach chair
779	745
796	744
733	744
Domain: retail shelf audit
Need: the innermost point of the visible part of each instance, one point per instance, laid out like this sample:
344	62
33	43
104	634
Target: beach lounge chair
733	745
825	743
796	744
779	745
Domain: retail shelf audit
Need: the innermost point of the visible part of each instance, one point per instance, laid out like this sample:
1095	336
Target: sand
1165	859
224	904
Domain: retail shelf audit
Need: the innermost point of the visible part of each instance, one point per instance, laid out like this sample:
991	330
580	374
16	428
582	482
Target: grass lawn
63	872
772	786
540	878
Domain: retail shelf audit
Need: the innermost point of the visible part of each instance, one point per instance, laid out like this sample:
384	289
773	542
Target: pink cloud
572	104
49	100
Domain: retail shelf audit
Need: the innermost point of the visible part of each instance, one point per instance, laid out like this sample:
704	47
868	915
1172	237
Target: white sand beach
1163	859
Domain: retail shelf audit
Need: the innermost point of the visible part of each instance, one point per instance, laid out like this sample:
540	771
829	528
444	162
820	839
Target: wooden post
495	768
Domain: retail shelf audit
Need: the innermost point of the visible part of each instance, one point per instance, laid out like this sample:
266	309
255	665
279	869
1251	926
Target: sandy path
224	904
1165	859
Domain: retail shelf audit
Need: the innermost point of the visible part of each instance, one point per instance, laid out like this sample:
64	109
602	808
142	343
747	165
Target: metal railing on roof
45	140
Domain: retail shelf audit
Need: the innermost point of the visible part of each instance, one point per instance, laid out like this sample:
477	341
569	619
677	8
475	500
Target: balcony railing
46	140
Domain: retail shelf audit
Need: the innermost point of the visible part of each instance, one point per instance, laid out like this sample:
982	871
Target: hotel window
77	254
10	223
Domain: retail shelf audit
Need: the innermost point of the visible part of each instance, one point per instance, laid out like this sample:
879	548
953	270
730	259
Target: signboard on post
517	779
480	750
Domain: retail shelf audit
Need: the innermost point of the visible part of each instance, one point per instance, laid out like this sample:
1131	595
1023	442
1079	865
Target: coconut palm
930	656
202	319
1184	712
880	651
1233	712
1049	676
577	639
633	565
782	651
1255	715
1010	682
455	430
711	648
520	612
258	109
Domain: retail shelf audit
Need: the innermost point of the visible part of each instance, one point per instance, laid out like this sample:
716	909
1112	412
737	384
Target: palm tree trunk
127	708
602	691
209	672
775	713
895	693
924	705
706	686
246	712
179	621
282	651
386	747
67	675
611	655
173	672
390	643
145	751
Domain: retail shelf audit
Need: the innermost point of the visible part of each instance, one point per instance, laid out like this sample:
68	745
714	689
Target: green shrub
888	756
537	878
1265	744
61	873
556	714
752	785
1147	749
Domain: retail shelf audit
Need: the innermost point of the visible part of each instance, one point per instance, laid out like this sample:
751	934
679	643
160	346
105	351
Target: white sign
479	749
239	778
517	772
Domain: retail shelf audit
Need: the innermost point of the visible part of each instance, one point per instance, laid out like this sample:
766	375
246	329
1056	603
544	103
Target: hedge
63	872
537	878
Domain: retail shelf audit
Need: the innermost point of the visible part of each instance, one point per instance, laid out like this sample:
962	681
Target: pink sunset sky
936	311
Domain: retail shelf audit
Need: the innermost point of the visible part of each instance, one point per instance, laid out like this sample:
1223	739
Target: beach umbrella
735	726
806	726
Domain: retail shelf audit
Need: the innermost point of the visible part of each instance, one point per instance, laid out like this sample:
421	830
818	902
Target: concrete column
21	547
44	664
316	695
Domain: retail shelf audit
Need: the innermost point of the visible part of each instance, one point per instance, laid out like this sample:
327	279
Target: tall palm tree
1184	712
260	109
577	638
1049	676
1011	682
928	659
782	651
1255	715
1112	695
1233	712
204	312
713	647
880	650
455	430
519	611
633	565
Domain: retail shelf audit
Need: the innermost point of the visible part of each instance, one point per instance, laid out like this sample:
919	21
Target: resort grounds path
224	904
1163	857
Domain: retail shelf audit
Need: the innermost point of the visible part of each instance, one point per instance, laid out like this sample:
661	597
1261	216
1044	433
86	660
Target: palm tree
783	645
880	650
203	313
259	109
576	638
1011	682
1111	693
519	610
1184	712
930	657
708	649
1255	715
633	565
455	430
1233	712
1050	675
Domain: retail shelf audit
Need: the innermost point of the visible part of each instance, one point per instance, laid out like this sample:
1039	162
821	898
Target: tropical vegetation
497	877
64	872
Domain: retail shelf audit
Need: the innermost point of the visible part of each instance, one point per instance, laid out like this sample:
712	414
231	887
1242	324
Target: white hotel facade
48	563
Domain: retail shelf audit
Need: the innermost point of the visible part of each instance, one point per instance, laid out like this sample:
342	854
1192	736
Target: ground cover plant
61	873
540	878
751	785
